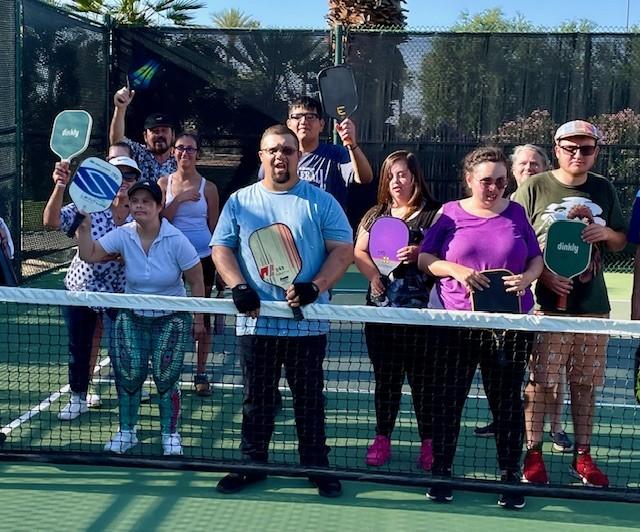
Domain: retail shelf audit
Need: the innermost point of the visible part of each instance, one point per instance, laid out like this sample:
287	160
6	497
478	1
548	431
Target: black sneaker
488	431
3	437
512	501
440	493
327	486
235	482
202	385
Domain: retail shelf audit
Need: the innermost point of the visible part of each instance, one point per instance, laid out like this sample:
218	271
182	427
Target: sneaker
202	385
93	399
327	486
586	470
425	460
440	493
534	470
235	482
122	441
145	396
3	437
511	501
172	444
76	406
379	452
488	431
561	442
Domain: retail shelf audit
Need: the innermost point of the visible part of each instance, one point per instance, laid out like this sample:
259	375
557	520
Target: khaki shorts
581	355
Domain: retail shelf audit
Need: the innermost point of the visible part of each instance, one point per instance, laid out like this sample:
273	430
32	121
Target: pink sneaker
425	460
379	451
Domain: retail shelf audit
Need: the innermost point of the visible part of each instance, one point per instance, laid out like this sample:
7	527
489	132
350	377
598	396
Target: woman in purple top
481	232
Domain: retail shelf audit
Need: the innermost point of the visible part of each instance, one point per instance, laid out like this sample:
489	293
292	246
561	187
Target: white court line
44	405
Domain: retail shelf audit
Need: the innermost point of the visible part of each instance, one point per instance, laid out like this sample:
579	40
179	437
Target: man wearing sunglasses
571	191
332	168
154	156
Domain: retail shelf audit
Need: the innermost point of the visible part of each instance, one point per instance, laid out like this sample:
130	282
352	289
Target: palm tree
233	18
141	12
366	13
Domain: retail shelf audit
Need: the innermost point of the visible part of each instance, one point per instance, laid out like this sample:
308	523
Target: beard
159	146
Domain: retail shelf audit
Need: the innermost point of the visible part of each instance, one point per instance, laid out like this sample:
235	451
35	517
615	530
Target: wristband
307	292
245	298
61	185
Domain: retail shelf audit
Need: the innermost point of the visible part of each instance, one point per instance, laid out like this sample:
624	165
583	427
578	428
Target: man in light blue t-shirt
324	240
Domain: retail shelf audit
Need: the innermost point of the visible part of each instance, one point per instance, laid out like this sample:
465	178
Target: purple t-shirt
506	241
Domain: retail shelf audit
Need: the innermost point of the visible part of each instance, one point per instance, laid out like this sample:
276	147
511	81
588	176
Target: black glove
307	292
245	298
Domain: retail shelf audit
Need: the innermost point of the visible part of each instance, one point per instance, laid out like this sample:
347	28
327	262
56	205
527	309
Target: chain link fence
437	94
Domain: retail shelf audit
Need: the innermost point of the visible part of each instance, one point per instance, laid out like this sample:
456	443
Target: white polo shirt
160	271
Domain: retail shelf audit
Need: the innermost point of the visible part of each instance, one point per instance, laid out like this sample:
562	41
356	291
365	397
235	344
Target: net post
17	221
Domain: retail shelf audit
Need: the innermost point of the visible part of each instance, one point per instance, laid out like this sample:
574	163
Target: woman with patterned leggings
156	255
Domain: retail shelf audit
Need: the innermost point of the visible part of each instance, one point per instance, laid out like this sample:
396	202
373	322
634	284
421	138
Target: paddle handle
297	313
77	220
561	303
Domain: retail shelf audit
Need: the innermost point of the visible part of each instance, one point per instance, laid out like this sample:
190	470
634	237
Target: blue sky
436	13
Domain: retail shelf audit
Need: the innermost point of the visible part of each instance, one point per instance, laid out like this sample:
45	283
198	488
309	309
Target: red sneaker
379	451
534	470
586	470
425	460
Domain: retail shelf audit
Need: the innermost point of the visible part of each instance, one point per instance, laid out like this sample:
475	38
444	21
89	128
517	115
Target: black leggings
396	351
457	352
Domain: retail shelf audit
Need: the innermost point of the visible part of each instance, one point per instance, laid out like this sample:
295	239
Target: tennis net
34	389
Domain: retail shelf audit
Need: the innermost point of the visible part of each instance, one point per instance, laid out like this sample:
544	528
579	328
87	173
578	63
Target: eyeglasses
500	182
130	176
286	151
584	150
299	116
185	149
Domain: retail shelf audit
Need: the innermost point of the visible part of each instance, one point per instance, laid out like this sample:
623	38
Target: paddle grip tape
74	226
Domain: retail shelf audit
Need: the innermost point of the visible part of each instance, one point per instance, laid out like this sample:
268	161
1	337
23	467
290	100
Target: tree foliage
141	12
233	18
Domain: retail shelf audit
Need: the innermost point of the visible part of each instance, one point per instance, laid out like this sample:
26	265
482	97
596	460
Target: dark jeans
262	358
396	351
457	353
81	324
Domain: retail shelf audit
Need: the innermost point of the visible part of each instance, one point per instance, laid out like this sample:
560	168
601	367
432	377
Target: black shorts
208	270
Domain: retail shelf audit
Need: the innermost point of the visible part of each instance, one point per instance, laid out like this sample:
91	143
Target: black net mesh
65	66
364	390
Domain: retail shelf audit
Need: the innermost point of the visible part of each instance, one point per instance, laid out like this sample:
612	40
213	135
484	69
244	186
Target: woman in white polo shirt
156	255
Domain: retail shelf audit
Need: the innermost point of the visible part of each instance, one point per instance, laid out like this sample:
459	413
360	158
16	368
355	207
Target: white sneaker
172	444
93	400
122	441
74	408
145	396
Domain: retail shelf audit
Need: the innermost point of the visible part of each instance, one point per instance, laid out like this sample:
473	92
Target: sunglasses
500	182
286	151
185	149
299	116
584	150
130	176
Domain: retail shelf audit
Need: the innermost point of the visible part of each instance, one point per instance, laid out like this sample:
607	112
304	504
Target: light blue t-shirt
313	216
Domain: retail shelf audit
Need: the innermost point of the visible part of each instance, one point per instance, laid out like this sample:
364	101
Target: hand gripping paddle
386	236
277	258
338	93
93	188
495	298
565	253
70	134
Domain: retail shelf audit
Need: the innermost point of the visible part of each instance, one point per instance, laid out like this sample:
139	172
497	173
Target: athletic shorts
582	356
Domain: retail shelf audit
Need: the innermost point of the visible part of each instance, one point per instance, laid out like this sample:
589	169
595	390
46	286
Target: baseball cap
125	161
577	128
157	120
150	187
